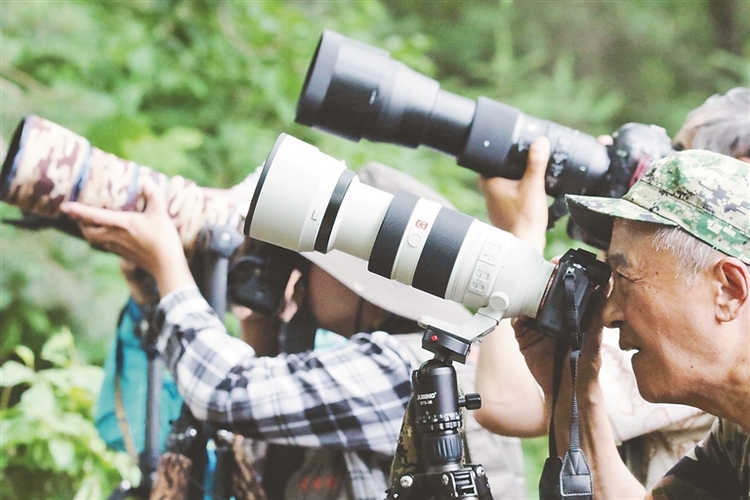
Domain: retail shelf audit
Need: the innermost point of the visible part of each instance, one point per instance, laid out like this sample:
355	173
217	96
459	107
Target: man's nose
612	314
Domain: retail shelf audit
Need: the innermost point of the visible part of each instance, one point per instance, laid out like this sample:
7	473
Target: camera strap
120	412
569	477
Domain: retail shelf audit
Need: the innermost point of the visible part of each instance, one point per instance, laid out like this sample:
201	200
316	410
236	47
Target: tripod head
437	421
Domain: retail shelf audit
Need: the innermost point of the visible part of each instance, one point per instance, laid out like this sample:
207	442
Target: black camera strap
569	477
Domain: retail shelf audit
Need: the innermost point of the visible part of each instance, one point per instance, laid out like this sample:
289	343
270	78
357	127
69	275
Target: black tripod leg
121	492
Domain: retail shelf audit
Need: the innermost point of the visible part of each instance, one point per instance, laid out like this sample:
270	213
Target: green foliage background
202	89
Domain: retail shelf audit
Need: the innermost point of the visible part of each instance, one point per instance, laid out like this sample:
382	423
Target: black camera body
258	278
357	91
578	279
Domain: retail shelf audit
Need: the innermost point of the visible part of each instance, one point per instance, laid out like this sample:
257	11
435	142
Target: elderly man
680	258
651	437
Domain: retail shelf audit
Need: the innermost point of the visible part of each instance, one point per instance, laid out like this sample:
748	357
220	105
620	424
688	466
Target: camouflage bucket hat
706	194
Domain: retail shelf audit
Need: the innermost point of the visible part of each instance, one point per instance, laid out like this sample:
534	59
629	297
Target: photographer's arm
610	475
512	403
611	478
520	208
349	397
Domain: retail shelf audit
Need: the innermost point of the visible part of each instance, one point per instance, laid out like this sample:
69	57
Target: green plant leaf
63	454
13	373
38	403
26	355
91	489
57	350
88	378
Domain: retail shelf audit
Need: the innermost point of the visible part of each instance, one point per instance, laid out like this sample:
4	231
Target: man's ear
734	288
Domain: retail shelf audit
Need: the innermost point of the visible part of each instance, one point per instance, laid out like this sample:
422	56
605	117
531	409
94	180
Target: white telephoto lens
495	268
359	219
306	200
292	194
454	256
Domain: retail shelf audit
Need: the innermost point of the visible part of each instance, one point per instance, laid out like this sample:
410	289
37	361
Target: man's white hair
694	254
722	123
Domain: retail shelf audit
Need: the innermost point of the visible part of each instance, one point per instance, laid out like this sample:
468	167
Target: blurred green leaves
50	448
202	89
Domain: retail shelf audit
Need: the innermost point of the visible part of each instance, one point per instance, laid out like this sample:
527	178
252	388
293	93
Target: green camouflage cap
706	194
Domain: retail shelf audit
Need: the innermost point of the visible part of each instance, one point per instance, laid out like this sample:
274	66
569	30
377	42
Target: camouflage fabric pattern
246	479
406	458
171	478
53	164
719	467
706	194
43	173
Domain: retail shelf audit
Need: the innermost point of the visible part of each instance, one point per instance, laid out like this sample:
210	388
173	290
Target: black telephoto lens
357	91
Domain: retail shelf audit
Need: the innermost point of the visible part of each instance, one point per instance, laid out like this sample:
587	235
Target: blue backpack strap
120	413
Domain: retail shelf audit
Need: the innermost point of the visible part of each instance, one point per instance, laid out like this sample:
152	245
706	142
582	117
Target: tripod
215	244
149	457
436	407
189	436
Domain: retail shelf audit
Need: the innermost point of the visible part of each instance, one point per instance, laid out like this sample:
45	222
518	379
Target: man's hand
520	207
538	350
148	239
142	285
512	404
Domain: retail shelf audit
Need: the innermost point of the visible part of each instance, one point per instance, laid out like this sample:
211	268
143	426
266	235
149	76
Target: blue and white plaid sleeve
350	397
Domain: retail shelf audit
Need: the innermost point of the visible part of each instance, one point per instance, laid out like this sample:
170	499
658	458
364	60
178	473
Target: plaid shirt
351	398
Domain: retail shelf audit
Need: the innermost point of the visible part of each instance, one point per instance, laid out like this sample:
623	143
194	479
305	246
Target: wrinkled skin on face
683	350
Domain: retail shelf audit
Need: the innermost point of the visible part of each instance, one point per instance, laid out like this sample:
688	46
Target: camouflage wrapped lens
47	165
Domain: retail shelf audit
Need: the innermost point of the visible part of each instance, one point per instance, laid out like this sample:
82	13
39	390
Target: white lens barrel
414	239
494	267
359	219
306	200
293	194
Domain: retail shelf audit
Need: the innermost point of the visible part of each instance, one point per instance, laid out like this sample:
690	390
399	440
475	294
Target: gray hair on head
694	254
723	123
